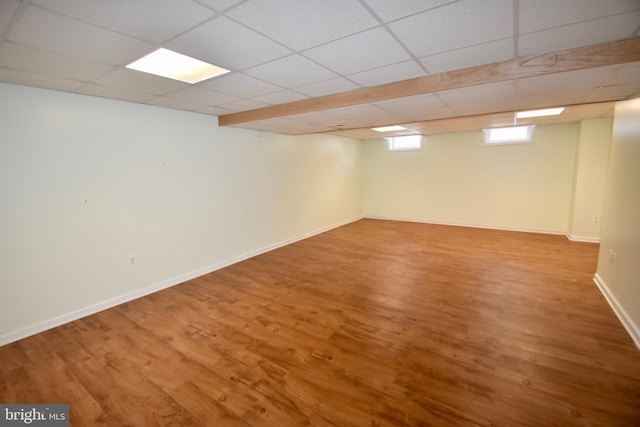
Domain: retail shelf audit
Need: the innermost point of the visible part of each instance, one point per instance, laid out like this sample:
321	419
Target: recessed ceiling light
389	128
167	63
539	113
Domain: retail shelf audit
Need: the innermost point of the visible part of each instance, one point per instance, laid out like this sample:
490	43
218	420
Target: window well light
167	63
404	143
539	113
508	135
389	128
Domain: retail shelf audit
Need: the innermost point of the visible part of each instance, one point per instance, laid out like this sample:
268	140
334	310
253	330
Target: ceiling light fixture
167	63
539	113
389	128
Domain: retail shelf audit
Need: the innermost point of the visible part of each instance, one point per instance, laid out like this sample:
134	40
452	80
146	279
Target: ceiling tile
572	87
456	25
346	56
162	101
559	99
614	93
200	95
536	15
242	105
45	30
367	115
571	81
211	110
458	124
325	120
388	74
26	58
241	85
114	93
328	87
227	44
309	123
7	9
284	126
625	74
576	35
481	99
358	133
280	97
219	5
420	107
38	80
392	10
303	24
486	53
292	71
138	81
163	19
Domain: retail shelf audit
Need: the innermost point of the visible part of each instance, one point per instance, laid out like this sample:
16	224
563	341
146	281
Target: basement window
508	135
404	143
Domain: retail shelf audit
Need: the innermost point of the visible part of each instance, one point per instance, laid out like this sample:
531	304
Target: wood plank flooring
373	323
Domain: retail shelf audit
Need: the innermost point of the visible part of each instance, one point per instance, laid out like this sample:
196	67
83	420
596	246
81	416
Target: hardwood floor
373	323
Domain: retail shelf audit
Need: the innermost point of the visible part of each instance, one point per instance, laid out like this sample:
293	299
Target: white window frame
393	146
492	135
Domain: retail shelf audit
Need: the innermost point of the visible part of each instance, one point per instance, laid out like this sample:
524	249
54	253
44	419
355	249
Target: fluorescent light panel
389	128
167	63
539	113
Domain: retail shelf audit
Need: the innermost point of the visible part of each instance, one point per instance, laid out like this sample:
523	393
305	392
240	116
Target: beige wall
592	158
86	182
456	179
620	235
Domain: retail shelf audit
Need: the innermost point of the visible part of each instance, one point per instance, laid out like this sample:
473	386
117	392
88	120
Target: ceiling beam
613	53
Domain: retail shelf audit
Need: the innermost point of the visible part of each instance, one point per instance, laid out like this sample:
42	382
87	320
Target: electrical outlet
596	218
132	260
613	256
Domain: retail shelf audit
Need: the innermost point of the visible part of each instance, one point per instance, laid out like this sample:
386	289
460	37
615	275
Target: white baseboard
584	239
619	310
460	224
130	296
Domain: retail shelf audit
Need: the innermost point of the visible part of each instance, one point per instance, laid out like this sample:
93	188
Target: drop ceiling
297	53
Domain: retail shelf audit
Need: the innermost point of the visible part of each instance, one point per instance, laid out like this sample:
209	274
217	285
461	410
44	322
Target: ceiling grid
293	53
